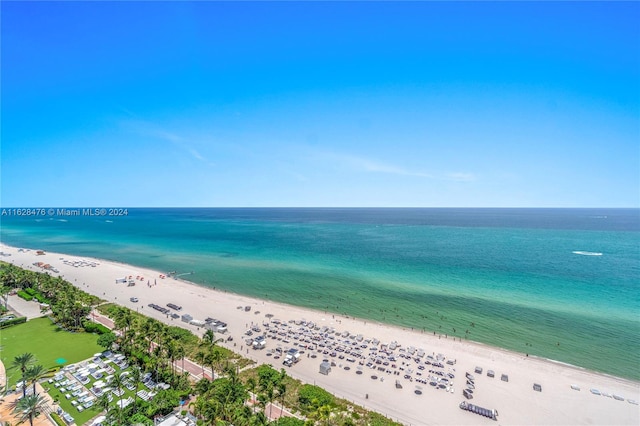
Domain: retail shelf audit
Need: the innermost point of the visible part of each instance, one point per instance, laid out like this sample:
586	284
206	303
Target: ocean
562	284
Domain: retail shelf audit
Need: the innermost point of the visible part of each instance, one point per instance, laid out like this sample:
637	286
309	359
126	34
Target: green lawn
80	418
51	346
83	417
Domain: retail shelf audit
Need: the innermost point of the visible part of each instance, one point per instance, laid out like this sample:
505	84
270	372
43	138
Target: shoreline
515	400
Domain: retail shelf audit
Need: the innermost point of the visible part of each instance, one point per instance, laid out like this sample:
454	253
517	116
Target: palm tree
23	278
212	359
28	407
208	337
281	386
269	395
282	390
181	353
201	357
147	331
263	400
4	293
35	373
103	401
171	350
251	386
157	332
123	319
116	383
22	362
136	374
324	413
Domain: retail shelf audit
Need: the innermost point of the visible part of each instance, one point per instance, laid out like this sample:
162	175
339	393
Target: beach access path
515	399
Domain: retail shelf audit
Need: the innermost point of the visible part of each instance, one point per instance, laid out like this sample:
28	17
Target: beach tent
325	368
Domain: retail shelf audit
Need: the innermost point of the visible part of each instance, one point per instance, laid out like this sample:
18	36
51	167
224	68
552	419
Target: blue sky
320	104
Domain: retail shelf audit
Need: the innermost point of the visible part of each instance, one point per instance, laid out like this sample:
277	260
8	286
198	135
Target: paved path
272	411
41	420
23	308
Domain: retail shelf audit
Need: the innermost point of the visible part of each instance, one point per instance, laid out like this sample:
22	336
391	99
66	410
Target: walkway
23	308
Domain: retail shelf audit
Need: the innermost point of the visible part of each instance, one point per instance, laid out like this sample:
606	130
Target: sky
320	104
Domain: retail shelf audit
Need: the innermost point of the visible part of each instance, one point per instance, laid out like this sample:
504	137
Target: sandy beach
558	403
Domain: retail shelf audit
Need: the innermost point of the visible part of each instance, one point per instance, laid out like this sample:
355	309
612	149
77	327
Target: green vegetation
138	333
312	402
35	294
56	418
314	396
28	407
155	348
92	327
288	421
65	404
47	342
15	321
26	296
69	305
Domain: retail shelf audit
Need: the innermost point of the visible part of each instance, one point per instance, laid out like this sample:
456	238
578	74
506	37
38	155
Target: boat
587	253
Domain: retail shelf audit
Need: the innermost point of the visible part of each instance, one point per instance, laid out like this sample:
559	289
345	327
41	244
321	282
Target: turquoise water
505	277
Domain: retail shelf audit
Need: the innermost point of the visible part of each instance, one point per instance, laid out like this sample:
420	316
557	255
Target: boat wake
587	253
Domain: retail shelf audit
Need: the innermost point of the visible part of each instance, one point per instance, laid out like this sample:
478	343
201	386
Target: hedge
309	395
56	418
92	327
35	294
14	321
26	296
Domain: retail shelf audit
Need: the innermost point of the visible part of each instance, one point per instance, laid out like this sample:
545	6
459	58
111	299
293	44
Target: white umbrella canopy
99	420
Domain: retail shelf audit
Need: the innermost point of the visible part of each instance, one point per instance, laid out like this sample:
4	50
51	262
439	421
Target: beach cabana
325	368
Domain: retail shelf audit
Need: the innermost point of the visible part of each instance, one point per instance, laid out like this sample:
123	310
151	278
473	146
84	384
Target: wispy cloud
364	164
380	167
461	177
151	129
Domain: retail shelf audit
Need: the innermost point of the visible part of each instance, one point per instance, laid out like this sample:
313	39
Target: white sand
515	400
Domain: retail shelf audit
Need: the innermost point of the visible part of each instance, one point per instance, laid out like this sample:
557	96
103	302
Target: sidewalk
23	308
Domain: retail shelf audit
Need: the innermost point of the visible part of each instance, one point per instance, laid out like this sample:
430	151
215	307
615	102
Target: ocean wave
587	253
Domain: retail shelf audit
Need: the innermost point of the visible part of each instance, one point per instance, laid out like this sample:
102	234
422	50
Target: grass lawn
51	346
83	417
65	404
